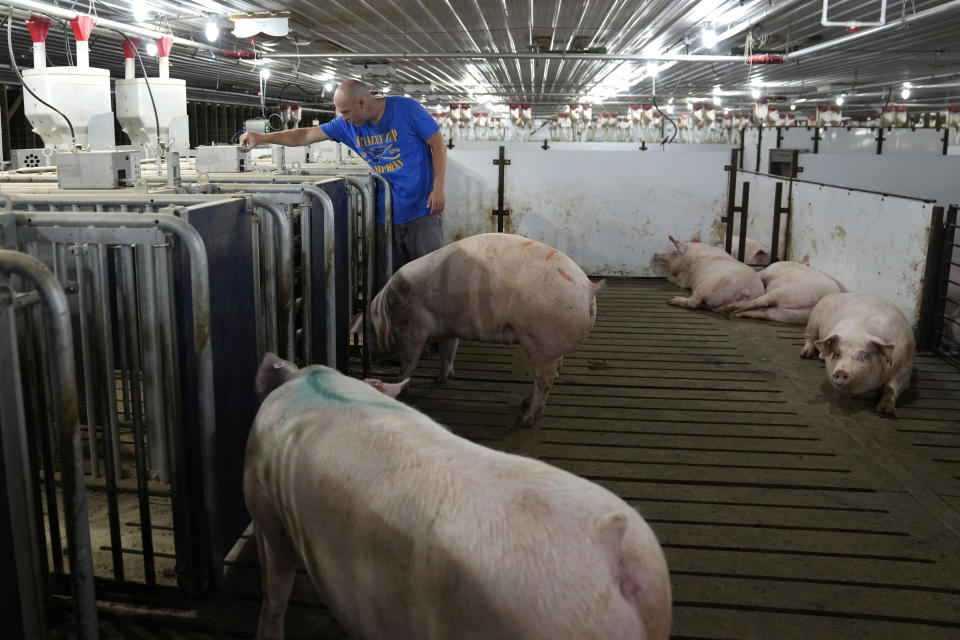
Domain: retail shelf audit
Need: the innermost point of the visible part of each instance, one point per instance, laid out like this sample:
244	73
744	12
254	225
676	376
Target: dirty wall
610	209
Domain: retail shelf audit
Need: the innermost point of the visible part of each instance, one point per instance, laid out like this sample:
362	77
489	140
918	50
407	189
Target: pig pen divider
155	295
24	584
946	315
869	242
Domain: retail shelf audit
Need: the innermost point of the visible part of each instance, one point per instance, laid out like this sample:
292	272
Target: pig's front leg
278	559
690	303
448	349
810	334
892	390
411	348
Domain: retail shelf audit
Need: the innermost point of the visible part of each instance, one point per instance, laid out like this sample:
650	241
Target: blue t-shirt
395	147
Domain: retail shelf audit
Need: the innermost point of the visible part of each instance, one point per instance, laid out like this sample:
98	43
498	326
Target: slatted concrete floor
785	511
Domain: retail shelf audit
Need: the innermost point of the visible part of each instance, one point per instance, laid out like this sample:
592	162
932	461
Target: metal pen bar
132	347
258	303
282	233
90	382
34	407
117	295
744	206
151	367
387	223
200	287
177	469
285	248
30	570
43	384
306	277
103	321
329	271
731	200
66	412
368	212
269	265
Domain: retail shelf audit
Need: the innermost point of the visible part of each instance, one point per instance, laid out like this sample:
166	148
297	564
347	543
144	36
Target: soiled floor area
785	510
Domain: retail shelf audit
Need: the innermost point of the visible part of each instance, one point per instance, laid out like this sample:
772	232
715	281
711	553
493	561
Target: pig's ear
679	246
884	350
357	323
273	372
806	260
696	237
827	345
761	254
391	389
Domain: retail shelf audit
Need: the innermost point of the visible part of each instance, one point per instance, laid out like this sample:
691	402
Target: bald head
356	104
351	91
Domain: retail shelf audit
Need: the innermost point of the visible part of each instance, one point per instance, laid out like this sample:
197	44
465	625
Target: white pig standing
715	278
492	287
409	531
866	344
791	291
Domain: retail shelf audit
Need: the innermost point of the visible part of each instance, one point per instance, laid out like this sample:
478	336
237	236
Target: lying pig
754	252
409	531
492	287
791	291
715	278
866	343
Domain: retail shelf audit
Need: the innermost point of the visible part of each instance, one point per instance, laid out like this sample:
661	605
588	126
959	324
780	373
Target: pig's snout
840	378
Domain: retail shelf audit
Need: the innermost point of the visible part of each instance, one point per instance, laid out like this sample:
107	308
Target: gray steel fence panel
64	400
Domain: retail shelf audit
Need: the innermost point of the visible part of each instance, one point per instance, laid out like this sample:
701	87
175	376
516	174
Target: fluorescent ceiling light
211	31
709	35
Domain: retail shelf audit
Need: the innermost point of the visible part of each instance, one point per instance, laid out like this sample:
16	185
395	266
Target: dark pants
411	240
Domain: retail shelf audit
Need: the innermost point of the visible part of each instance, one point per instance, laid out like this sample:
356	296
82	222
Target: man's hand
436	201
249	140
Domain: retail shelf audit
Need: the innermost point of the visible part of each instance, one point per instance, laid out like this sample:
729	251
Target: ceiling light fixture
265	74
151	48
839	100
709	35
211	31
905	93
140	10
793	107
755	93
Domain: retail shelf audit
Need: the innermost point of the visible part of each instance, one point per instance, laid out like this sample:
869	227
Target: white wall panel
869	242
924	176
610	211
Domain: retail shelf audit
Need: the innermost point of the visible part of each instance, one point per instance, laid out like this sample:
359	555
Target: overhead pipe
492	55
751	22
909	19
67	14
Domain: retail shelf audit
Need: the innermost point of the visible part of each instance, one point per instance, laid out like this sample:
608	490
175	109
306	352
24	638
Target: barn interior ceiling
547	54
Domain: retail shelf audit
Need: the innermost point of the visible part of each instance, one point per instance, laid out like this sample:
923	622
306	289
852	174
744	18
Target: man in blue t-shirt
401	142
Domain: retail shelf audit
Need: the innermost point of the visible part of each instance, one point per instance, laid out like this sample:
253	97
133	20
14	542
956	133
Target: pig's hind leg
448	350
544	374
278	560
777	314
